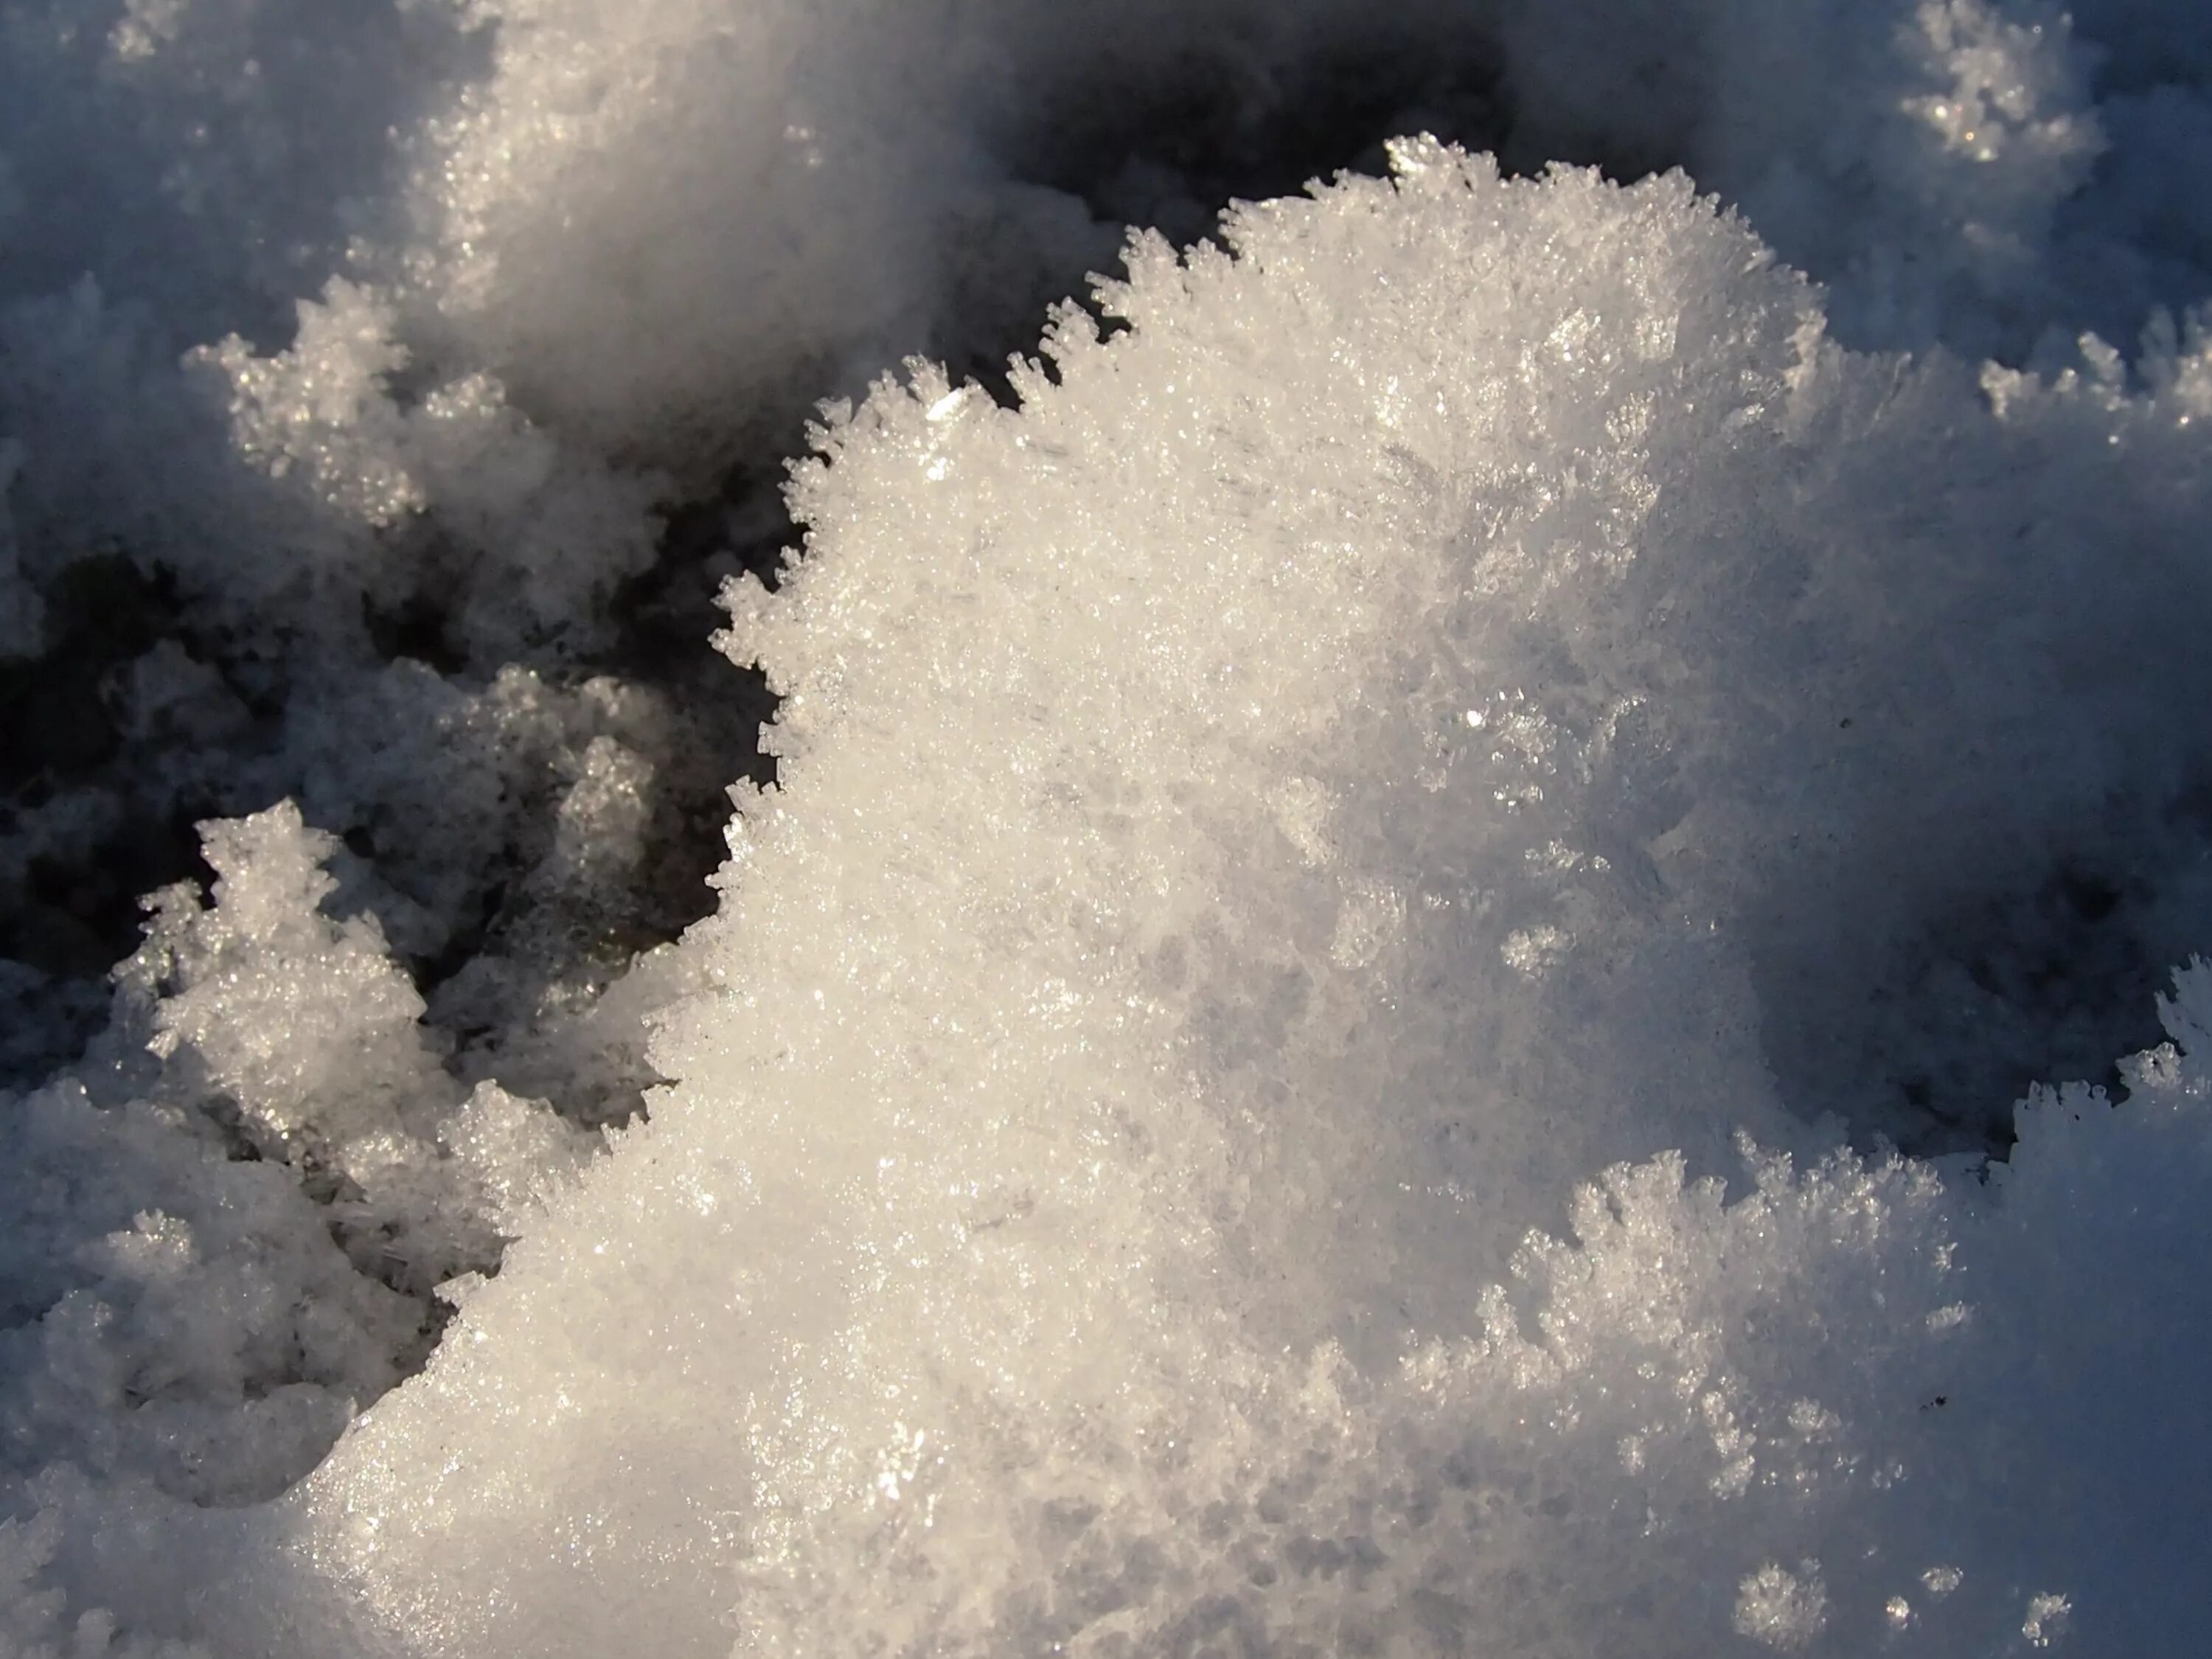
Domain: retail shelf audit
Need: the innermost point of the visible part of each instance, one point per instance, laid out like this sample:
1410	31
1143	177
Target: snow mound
1257	824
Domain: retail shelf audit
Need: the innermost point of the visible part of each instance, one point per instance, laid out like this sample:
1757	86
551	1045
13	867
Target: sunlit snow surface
1463	706
1256	824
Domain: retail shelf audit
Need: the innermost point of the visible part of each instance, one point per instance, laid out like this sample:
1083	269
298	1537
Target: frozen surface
1458	706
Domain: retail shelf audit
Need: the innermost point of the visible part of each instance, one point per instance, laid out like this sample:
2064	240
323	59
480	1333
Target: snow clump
1257	823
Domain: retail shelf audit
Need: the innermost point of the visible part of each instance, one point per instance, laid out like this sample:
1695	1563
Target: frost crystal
1781	1609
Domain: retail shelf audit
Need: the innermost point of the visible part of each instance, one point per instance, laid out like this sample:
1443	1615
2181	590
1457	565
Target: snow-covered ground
1467	925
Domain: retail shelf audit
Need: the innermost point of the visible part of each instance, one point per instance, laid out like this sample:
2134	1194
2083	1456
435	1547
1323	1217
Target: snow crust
1348	844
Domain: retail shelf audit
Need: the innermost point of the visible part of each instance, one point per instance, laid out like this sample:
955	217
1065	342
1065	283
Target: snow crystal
303	1022
2046	1618
1781	1609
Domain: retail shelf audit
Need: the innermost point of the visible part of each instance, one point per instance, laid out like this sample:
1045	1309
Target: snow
1434	943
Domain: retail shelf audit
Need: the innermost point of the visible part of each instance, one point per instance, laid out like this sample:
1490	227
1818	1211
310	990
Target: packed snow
1469	923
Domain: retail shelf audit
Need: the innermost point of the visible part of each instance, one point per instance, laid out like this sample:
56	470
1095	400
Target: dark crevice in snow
2053	981
1171	153
69	905
417	628
467	941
